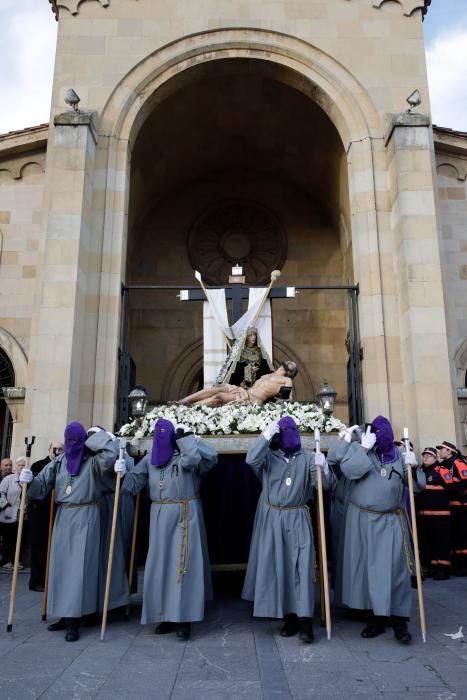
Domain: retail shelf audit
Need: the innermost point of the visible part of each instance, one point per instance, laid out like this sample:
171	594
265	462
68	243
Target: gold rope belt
303	507
183	558
78	505
398	512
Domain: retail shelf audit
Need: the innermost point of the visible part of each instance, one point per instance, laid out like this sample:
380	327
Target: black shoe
290	626
72	629
401	633
57	626
441	575
39	589
183	630
72	634
306	630
164	627
373	629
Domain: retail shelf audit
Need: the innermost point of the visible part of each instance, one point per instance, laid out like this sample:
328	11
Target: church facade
271	133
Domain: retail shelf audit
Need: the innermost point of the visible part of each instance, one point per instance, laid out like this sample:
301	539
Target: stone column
365	183
427	391
60	380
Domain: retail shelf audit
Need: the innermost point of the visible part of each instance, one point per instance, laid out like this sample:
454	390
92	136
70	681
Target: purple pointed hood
289	436
163	444
385	446
74	438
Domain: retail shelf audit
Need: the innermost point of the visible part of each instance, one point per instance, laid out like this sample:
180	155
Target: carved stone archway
295	63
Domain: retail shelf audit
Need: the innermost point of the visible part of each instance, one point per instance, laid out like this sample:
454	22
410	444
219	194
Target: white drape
214	323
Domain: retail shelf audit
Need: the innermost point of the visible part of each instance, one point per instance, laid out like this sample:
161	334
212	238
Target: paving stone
212	690
232	655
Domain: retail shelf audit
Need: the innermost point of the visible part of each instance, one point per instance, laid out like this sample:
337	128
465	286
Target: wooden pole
322	605
112	543
421	604
22	508
49	546
133	547
322	534
275	274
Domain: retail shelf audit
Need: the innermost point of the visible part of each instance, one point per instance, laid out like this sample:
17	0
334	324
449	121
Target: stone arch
31	167
409	6
314	72
16	354
73	5
297	63
185	368
453	170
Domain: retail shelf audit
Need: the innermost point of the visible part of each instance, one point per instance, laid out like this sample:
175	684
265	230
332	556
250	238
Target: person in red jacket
434	517
451	458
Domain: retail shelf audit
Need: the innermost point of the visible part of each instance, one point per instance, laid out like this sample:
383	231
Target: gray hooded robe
280	573
377	560
74	560
177	576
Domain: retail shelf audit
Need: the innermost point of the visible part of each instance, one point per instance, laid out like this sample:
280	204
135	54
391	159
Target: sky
27	51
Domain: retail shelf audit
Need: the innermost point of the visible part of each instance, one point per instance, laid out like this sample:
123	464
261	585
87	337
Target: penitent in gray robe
280	573
74	558
378	559
177	576
119	594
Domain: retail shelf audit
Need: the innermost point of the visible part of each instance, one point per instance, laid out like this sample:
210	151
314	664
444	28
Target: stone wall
357	61
21	202
451	164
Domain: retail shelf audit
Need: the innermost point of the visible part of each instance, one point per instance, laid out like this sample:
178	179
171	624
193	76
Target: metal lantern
138	399
327	397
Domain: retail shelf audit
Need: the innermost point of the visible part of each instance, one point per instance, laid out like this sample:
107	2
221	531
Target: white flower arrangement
233	419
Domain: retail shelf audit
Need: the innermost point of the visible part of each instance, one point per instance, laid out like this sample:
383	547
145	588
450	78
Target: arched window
7	378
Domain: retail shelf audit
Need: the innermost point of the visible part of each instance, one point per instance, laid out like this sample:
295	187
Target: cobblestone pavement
232	656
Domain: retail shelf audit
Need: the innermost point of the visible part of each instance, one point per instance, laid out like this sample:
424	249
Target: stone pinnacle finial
72	99
414	100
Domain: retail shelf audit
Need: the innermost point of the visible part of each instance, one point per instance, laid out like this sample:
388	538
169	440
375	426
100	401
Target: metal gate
127	369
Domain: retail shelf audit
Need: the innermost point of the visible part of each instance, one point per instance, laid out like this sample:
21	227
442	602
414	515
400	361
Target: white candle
317	436
406	433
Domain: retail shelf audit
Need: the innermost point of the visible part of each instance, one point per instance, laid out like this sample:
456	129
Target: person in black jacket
434	517
39	513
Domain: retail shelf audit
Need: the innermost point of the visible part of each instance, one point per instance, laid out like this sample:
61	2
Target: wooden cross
237	293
